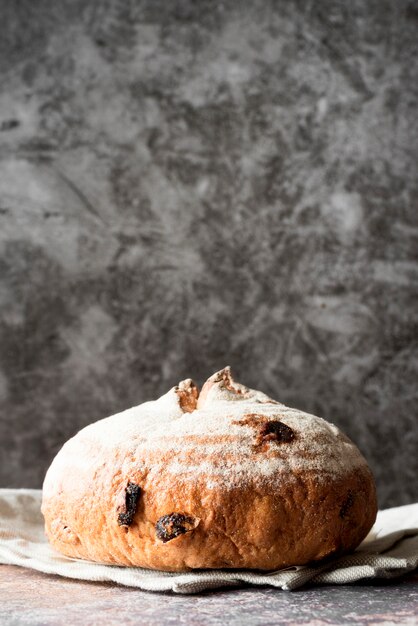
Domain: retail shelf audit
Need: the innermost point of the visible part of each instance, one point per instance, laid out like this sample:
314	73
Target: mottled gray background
186	184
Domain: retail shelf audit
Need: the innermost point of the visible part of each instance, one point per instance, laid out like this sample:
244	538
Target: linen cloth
390	550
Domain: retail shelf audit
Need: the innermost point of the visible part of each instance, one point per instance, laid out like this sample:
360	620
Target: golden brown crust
123	504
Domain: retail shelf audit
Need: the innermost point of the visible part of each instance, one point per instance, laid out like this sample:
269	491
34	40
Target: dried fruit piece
347	504
170	526
275	431
132	493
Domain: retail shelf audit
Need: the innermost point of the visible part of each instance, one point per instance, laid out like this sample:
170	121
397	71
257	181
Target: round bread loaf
227	478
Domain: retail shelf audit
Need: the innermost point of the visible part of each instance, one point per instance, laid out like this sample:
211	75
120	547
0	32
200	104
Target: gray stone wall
189	184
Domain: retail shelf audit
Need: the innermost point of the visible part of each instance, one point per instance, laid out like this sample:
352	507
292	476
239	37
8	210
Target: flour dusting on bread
209	441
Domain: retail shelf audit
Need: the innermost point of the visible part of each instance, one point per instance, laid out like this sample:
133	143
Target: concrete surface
35	599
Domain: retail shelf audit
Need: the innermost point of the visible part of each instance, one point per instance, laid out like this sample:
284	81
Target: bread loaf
227	478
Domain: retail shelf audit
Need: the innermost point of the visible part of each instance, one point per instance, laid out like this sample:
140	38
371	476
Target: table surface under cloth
34	599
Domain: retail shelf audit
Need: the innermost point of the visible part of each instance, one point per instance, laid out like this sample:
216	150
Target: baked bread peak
221	387
187	394
227	477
